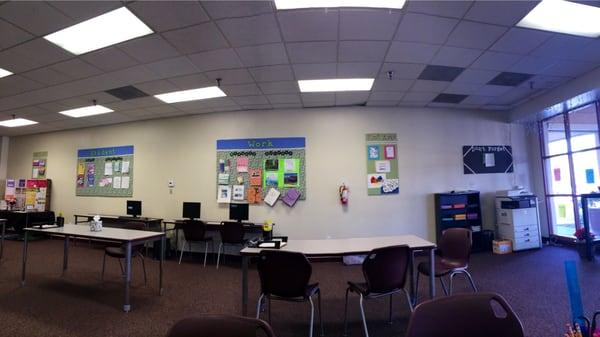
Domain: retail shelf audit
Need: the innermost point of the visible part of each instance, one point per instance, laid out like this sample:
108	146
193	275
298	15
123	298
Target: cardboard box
502	246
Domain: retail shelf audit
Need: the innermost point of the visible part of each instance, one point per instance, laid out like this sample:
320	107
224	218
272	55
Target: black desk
18	220
119	221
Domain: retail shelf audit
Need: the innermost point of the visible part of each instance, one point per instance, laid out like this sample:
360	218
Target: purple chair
285	276
232	234
465	315
210	325
385	271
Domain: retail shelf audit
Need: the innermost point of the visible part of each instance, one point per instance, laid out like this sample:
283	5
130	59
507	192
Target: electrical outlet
171	183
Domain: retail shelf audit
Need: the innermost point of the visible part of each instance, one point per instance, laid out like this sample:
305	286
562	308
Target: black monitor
191	210
134	208
238	212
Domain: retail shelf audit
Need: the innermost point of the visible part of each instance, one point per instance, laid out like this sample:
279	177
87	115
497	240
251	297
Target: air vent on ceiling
440	73
449	98
127	92
510	79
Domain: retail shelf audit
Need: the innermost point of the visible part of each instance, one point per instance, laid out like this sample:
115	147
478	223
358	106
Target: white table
341	247
128	237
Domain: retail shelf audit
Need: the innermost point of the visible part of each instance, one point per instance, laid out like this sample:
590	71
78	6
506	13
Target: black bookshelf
462	210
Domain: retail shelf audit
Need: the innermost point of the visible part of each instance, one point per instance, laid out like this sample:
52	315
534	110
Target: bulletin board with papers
261	170
105	172
382	164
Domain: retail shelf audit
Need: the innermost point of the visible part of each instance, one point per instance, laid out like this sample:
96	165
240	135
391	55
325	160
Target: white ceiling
260	53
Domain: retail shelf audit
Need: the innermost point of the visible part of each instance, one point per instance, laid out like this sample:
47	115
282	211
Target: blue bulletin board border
261	143
106	151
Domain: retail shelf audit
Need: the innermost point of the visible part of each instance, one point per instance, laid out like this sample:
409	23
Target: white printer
517	219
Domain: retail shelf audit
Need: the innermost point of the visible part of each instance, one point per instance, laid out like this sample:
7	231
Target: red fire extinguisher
344	194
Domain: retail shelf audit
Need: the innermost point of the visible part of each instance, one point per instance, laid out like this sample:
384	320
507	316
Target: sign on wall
479	159
38	167
382	164
105	172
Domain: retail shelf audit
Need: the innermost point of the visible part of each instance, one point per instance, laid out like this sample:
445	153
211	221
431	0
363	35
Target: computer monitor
238	212
134	208
191	210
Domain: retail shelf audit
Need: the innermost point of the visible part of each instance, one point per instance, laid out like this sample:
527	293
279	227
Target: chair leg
444	286
219	254
103	265
182	249
122	270
260	299
470	280
346	313
410	304
391	301
416	299
144	269
320	314
205	252
312	316
450	285
269	307
362	313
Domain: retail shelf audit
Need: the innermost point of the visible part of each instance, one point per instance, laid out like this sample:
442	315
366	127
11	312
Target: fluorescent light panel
15	122
294	4
4	73
191	95
564	17
337	84
102	31
86	111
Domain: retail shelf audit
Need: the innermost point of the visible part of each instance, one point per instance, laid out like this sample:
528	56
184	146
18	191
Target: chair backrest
284	274
455	245
468	315
193	230
136	225
232	232
211	325
385	268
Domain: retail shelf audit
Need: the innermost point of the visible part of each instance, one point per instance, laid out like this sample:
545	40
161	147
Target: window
571	161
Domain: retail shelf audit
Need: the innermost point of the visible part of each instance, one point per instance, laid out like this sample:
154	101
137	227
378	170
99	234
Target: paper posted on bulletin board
382	163
39	164
105	172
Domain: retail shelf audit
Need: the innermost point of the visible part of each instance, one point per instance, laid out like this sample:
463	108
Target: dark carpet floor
79	304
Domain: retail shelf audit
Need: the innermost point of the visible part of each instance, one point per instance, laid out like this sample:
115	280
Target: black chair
232	233
195	231
465	315
120	253
453	254
220	326
385	271
285	276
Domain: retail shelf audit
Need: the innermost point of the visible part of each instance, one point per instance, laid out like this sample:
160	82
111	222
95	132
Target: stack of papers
291	197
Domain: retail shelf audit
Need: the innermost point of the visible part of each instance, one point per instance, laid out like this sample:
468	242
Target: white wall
430	145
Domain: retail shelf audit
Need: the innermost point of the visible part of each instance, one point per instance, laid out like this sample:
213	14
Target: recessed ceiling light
15	122
293	4
102	31
4	73
86	111
564	17
337	84
191	95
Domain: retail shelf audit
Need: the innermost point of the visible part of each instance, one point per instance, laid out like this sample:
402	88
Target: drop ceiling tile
429	86
47	76
252	30
100	97
250	100
362	51
510	79
520	40
475	35
533	64
230	76
249	89
83	10
449	98
358	69
455	57
318	99
109	59
166	15
569	68
284	99
12	35
16	84
476	76
192	81
496	61
263	55
309	25
376	24
312	52
43	118
392	85
148	49
419	97
136	103
408	71
283	87
514	96
410	52
589	53
455	9
172	67
562	46
315	71
477	100
425	28
372	102
462	88
272	73
287	106
37	17
76	68
161	109
505	13
493	90
135	74
257	107
232	9
216	59
197	38
390	96
440	73
548	82
32	54
157	87
351	98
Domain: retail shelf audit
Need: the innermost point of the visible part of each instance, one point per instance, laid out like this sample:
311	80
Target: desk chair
210	325
385	271
120	253
454	251
285	276
232	233
195	231
465	315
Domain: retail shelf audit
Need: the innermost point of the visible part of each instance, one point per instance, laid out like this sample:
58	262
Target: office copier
517	219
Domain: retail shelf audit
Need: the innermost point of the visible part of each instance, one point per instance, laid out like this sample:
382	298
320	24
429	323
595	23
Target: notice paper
238	192
272	196
255	177
125	167
108	168
125	182
223	178
224	194
242	164
289	165
382	166
117	182
489	160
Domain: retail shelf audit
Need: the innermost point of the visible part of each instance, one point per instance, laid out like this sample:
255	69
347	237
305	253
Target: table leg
66	254
127	305
2	239
25	239
244	285
432	273
176	240
163	242
412	277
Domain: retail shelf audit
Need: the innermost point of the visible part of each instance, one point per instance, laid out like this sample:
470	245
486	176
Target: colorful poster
382	164
224	194
40	161
242	164
589	176
255	176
